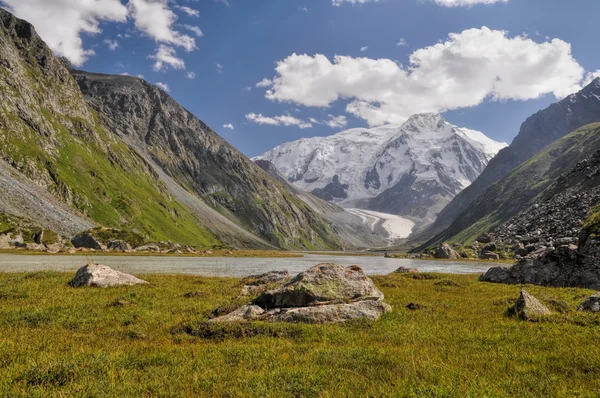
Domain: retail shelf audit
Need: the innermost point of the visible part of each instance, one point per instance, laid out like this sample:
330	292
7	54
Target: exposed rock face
97	275
185	152
256	284
529	308
322	284
446	252
325	293
591	304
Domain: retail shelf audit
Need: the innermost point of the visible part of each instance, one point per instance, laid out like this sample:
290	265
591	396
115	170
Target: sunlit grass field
151	340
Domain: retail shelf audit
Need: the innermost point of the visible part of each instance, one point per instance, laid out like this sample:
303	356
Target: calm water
234	267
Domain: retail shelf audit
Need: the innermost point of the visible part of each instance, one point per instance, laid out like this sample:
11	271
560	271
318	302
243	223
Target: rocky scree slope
411	170
55	142
537	132
524	186
197	159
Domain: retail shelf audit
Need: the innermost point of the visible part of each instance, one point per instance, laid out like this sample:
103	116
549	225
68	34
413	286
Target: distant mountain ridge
412	170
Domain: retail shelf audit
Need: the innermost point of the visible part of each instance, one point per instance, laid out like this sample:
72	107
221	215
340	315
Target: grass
215	253
152	340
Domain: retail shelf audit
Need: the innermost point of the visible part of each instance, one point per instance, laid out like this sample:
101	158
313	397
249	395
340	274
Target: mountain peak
430	121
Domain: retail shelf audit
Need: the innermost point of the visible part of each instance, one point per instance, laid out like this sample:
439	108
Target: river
230	266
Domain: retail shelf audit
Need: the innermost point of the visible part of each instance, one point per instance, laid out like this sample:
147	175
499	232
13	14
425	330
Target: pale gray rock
591	304
334	313
119	245
245	313
529	308
322	284
446	252
405	270
4	241
148	248
98	275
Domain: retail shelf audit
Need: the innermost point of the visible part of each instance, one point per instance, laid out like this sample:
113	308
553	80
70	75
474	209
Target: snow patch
396	227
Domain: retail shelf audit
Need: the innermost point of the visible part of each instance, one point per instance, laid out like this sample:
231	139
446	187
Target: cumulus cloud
228	126
154	19
264	83
190	75
363	49
336	122
466	3
166	56
401	42
219	68
460	72
284	120
338	3
61	23
163	86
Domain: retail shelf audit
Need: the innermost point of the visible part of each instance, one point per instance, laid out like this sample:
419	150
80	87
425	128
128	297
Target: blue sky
243	40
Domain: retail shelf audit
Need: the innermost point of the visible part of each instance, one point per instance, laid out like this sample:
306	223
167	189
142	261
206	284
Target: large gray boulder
244	313
591	304
322	284
446	252
334	313
529	308
257	284
97	275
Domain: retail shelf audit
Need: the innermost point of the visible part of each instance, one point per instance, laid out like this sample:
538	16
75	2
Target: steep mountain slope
538	131
350	227
200	161
54	140
138	161
412	170
523	186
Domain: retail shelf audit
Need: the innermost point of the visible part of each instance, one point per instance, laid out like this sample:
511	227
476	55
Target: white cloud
189	11
228	126
140	76
466	3
247	89
225	2
338	3
284	120
61	23
219	68
264	83
365	48
155	19
112	44
303	9
590	77
336	122
166	56
401	42
194	29
163	86
460	72
190	75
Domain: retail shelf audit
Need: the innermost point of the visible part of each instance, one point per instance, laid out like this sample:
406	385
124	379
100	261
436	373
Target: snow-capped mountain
413	169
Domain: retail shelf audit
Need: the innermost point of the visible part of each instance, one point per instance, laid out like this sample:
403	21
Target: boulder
484	238
148	248
445	251
591	304
490	247
489	256
118	245
322	284
87	241
334	313
97	275
4	241
405	270
245	313
257	284
529	308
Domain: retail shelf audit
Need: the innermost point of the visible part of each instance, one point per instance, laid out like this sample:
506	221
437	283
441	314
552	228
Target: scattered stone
148	248
485	238
97	275
4	241
119	245
414	306
245	313
446	252
591	304
405	270
489	256
490	247
322	284
529	308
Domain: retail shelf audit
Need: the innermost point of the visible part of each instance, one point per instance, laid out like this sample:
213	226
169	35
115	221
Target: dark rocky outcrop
118	245
591	304
87	241
97	275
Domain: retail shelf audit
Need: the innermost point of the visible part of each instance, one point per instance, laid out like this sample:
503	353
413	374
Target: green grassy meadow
152	341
